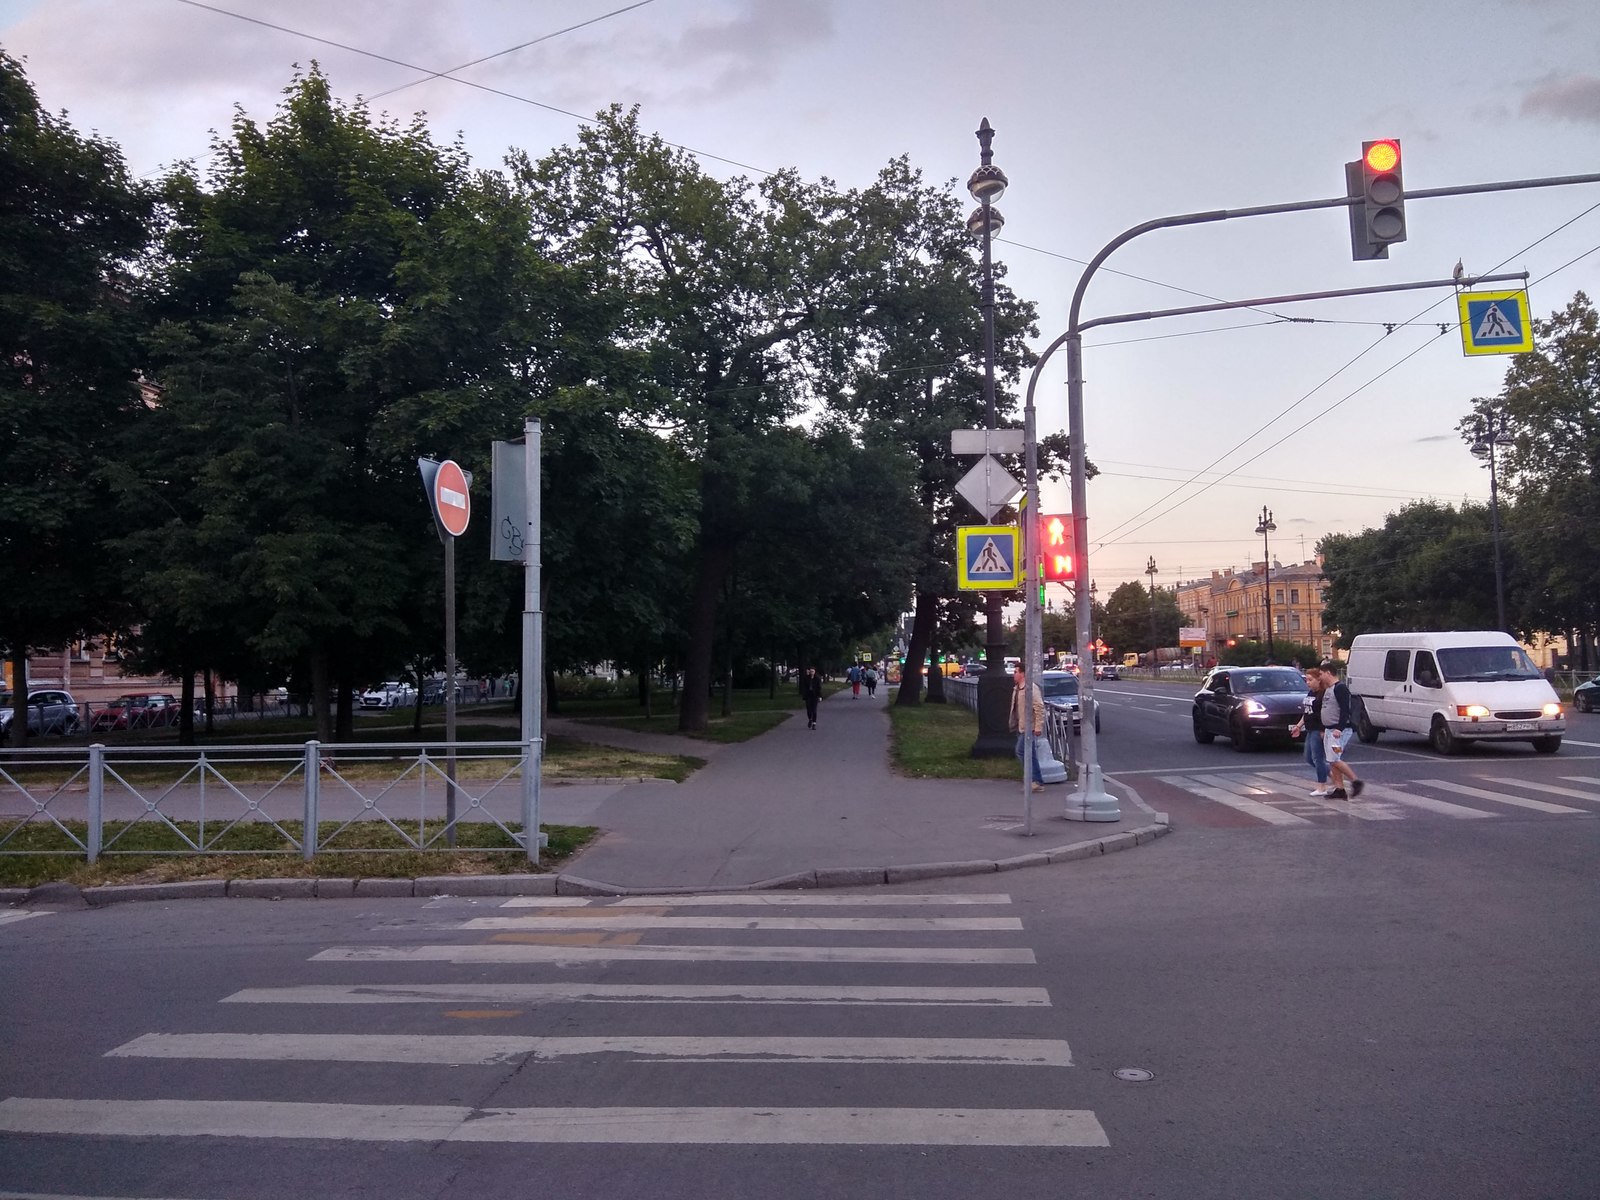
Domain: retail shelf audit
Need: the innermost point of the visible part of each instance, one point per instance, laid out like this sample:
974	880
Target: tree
1550	403
72	226
1127	620
1429	567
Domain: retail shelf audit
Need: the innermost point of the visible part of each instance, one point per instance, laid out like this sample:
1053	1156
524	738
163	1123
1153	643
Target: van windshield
1481	664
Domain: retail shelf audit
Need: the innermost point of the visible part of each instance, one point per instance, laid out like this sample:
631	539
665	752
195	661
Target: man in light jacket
1018	721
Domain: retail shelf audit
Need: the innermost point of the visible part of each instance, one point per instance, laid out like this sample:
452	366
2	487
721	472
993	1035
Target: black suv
1249	705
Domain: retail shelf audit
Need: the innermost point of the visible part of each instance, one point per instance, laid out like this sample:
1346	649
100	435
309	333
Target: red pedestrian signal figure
1056	548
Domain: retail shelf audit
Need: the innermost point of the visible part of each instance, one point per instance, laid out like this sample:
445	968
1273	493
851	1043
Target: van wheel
1547	745
1442	739
1240	739
1204	736
1365	729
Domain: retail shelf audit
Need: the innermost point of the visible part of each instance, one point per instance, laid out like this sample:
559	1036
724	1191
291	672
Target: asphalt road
1332	1007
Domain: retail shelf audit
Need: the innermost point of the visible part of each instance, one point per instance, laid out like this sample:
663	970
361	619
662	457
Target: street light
1492	432
1264	527
988	184
1152	570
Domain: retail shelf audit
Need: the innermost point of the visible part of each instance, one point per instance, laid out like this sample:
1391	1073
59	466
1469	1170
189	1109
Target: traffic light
1056	548
1380	219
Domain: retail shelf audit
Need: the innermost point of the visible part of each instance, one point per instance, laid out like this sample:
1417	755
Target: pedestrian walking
1020	720
1310	727
853	677
1337	714
869	676
811	693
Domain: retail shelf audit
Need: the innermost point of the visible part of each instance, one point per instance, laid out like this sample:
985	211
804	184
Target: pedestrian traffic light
1056	548
1379	220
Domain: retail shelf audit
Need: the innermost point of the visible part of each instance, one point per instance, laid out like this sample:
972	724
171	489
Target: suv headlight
1552	710
1255	708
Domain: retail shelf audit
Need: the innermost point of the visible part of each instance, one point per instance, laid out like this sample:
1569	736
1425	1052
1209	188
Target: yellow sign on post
988	557
1495	322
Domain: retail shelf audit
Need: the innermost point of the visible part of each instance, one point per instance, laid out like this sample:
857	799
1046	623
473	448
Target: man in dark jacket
1338	720
811	693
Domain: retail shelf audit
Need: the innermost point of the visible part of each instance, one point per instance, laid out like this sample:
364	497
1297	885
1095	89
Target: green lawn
753	712
934	741
148	851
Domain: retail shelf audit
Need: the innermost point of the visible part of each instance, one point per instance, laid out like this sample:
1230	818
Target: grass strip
934	741
147	851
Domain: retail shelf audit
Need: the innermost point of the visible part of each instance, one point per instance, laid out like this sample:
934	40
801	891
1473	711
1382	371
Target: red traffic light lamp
1056	548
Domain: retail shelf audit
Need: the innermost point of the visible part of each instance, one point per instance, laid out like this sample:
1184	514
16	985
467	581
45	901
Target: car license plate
1521	726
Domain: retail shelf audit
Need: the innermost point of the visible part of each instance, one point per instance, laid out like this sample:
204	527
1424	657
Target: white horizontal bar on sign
637	1126
640	993
1462	789
644	921
526	953
1254	808
754	900
463	1050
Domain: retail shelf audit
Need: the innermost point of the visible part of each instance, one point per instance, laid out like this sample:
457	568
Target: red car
137	710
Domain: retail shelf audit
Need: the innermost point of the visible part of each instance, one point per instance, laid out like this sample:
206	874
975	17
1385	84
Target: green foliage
1248	653
1126	621
72	226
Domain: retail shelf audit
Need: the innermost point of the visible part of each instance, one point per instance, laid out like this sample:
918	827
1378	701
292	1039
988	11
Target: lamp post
1264	527
988	184
1094	629
1152	570
1492	432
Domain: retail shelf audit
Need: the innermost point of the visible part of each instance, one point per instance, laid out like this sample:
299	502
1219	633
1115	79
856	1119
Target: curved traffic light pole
1091	802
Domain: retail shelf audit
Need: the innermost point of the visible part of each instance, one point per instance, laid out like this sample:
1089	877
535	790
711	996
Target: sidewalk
818	807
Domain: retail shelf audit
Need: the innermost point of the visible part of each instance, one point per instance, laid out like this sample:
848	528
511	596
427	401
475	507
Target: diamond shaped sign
988	487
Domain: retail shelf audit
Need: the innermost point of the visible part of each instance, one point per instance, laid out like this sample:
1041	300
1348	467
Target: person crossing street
1338	722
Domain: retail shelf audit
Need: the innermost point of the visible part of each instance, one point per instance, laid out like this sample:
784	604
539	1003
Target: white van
1452	688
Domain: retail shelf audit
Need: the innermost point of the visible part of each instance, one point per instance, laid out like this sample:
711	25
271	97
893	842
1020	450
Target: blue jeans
1316	755
1038	738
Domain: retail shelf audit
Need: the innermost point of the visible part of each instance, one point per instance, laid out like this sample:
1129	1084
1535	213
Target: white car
388	695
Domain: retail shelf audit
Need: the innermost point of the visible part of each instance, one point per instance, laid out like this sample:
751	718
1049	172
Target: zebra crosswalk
1282	799
905	983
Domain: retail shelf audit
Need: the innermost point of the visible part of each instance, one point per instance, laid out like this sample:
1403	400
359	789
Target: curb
562	885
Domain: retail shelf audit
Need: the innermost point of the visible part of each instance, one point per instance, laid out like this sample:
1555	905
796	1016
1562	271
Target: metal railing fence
199	796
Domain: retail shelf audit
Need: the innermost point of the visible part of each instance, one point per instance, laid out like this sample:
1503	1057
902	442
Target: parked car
1060	690
1249	705
392	694
1107	671
137	710
1586	696
50	710
433	692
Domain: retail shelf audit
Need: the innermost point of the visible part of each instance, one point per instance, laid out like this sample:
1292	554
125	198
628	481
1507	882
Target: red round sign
450	498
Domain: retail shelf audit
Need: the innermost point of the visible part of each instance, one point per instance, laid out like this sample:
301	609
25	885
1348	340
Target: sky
1106	116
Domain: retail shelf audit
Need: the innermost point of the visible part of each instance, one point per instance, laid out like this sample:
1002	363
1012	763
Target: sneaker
1038	787
1338	794
1321	791
1355	788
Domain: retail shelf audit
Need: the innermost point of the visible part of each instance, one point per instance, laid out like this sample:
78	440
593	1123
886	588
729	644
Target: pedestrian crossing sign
1495	322
987	557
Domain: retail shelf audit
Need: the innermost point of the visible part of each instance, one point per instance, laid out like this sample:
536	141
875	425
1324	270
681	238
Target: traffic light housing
1379	220
1056	548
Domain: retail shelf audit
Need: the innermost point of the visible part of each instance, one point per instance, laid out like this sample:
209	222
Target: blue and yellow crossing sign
1495	322
988	557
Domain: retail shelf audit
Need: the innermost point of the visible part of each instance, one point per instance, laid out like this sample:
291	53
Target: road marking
1580	779
1360	812
1254	808
1566	741
453	1123
1551	788
642	993
1442	807
1462	789
462	1050
829	924
13	916
500	953
751	899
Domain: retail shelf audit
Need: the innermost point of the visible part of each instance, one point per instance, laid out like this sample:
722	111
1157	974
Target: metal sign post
450	495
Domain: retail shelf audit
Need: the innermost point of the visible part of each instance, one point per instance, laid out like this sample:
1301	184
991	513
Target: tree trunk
19	696
923	627
321	683
644	688
694	714
186	707
936	692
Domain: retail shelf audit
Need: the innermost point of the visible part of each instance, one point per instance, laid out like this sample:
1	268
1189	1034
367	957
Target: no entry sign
451	500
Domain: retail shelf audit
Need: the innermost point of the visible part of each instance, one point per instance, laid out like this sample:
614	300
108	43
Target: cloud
1439	437
1573	98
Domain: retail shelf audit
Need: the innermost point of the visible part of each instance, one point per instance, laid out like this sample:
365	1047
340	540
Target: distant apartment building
1233	605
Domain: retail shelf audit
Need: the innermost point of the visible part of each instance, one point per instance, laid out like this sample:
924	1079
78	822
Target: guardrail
306	800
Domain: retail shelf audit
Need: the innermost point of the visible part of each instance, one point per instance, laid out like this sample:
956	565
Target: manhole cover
1134	1074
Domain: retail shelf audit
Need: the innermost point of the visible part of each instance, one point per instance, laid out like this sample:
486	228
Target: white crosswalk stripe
554	1022
1462	789
1364	811
1549	788
11	916
1244	804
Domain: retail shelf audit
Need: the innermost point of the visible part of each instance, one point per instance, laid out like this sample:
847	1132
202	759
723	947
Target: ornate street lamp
1152	570
1492	432
988	184
1264	527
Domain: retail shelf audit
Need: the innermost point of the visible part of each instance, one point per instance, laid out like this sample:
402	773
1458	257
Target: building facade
1233	605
